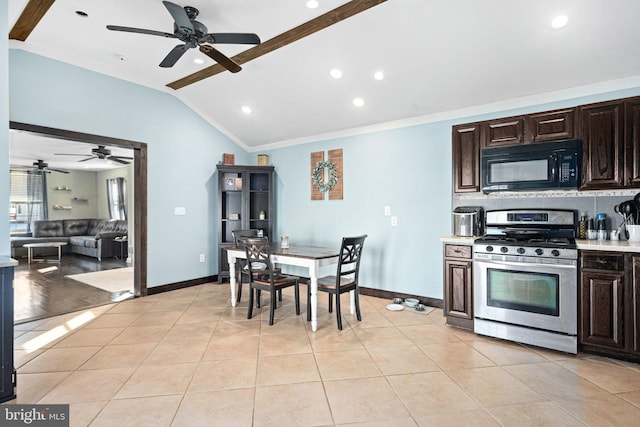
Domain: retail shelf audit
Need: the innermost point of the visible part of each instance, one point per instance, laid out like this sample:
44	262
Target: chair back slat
350	256
258	251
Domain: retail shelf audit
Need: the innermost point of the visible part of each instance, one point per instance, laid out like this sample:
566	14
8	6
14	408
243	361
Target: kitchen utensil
629	210
636	202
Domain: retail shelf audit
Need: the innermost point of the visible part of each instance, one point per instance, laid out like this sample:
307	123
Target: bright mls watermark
34	415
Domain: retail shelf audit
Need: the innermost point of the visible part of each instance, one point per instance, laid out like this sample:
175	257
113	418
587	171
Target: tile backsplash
587	203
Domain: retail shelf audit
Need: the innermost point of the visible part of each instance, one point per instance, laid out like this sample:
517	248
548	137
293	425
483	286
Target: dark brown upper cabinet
632	142
603	149
503	132
549	126
466	158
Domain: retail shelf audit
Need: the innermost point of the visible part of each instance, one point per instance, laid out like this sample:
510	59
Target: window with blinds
26	200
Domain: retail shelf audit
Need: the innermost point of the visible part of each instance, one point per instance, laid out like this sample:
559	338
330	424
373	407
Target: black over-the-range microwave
537	166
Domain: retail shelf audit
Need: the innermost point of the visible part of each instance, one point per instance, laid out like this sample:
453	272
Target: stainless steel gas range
525	278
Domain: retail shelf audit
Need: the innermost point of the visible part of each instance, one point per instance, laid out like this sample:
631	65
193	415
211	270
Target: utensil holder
634	232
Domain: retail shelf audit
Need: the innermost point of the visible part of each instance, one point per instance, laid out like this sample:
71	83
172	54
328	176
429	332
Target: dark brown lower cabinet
7	371
610	304
458	286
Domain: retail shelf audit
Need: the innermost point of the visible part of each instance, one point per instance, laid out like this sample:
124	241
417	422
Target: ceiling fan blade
233	38
121	157
88	158
334	16
220	58
180	17
30	17
173	56
141	31
67	154
118	160
58	170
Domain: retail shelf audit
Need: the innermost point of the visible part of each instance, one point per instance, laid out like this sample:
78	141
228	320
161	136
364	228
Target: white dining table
309	256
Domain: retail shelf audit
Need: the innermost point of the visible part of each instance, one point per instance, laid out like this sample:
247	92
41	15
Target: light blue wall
4	130
407	169
183	150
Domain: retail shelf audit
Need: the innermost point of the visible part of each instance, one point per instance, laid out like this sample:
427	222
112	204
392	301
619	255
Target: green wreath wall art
318	176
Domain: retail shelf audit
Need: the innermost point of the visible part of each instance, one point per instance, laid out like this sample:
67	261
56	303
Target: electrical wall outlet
202	258
394	221
387	211
180	210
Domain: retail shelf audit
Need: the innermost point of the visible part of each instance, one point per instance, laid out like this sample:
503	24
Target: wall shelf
61	189
62	208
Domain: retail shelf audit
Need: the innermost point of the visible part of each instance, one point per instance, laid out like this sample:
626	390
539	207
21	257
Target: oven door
527	292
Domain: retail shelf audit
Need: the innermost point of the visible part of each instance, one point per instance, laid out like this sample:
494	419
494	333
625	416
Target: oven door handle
525	264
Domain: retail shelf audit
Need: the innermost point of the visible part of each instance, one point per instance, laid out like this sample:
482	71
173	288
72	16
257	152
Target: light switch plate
180	210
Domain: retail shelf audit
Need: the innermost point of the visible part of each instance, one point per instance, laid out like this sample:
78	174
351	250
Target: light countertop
590	245
457	240
5	261
608	245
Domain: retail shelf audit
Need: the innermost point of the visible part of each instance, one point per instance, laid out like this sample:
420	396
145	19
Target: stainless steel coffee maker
468	221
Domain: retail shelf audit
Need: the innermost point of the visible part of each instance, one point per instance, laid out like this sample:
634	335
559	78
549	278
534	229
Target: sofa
91	237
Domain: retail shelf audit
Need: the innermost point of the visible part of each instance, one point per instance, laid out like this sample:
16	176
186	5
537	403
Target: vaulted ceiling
437	56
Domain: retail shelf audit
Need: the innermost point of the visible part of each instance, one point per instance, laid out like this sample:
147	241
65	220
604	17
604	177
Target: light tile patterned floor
187	358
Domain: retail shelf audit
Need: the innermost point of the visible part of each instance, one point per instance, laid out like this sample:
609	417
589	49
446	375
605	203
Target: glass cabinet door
259	198
231	205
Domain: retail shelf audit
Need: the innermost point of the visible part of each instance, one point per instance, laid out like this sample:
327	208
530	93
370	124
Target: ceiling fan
43	167
194	34
36	9
102	153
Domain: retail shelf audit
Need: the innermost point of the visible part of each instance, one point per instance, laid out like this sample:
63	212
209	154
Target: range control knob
539	251
504	249
521	251
489	248
555	252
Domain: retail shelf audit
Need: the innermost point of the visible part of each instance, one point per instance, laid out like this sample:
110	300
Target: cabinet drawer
602	261
457	251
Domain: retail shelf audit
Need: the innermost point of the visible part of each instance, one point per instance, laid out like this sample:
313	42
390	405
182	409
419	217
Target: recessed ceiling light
358	102
378	75
199	61
245	109
559	21
81	13
312	4
335	73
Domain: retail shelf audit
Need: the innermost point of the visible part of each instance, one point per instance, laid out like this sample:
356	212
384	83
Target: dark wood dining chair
241	264
346	278
262	276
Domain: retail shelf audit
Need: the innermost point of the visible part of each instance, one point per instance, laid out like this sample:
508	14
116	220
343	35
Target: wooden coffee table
30	247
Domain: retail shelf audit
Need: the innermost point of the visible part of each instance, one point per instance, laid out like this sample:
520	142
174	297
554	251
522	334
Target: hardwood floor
42	290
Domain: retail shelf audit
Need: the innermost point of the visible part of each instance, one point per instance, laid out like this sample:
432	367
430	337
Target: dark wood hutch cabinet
245	200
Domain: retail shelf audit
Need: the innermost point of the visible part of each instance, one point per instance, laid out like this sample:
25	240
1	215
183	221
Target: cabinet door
503	132
259	206
632	142
635	289
549	126
466	158
458	291
601	130
602	306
